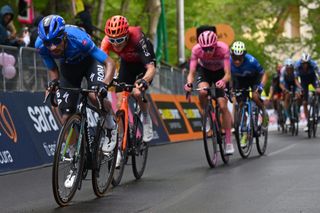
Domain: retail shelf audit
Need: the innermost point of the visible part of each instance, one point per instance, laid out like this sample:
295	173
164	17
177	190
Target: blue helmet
289	62
51	27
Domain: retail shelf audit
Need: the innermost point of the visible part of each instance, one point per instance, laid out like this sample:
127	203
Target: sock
228	136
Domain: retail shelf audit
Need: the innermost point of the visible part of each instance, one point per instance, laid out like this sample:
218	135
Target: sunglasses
56	41
208	49
118	40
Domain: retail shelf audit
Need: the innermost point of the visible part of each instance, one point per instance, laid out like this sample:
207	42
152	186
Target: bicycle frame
124	107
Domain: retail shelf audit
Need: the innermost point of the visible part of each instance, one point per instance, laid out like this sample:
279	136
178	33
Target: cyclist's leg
256	97
305	89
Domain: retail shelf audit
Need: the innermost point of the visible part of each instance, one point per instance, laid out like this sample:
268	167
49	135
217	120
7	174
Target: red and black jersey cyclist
137	57
275	92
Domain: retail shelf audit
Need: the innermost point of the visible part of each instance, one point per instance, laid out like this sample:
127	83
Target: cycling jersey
139	49
213	61
249	67
288	80
312	69
77	47
276	84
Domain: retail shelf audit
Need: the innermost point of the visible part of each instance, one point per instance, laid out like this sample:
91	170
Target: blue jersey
78	46
312	69
249	68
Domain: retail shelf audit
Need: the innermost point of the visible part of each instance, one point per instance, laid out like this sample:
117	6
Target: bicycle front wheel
68	161
244	133
104	164
122	154
139	151
210	139
262	137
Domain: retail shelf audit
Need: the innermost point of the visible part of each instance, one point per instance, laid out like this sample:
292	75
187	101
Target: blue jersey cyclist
79	57
289	83
308	71
247	73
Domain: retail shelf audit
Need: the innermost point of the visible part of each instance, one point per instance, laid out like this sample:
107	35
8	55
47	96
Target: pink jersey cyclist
213	58
215	61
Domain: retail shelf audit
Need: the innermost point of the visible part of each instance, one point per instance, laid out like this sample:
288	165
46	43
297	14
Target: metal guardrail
32	74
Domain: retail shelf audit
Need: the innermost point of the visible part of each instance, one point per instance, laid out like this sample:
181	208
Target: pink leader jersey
219	59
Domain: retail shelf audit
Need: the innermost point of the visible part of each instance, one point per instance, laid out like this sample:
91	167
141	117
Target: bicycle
281	122
313	114
293	113
212	138
132	142
248	125
79	149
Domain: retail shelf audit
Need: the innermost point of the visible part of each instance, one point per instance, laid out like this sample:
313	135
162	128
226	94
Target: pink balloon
9	72
7	59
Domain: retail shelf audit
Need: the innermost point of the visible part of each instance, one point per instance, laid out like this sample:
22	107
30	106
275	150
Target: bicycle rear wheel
68	161
262	138
118	171
104	164
210	139
139	150
315	118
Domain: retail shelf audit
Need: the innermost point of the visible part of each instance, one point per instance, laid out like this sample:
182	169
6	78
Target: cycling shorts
205	75
129	72
305	81
71	76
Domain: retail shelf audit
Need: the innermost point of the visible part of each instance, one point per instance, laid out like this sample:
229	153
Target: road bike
79	149
131	142
248	124
293	111
212	137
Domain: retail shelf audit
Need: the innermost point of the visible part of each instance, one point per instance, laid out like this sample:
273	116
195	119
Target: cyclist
137	58
214	67
79	57
247	72
288	80
275	92
308	72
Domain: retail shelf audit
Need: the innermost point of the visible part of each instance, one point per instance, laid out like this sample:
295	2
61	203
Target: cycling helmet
238	48
305	57
51	27
289	62
207	39
116	26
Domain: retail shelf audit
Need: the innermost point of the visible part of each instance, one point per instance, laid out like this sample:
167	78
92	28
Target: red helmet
207	39
116	26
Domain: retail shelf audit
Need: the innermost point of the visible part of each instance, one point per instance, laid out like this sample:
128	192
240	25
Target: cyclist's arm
147	55
227	72
53	74
192	67
296	81
264	78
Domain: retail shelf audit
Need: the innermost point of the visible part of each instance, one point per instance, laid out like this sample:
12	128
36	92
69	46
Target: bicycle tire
118	172
139	148
68	132
102	163
262	139
210	142
244	151
315	117
221	140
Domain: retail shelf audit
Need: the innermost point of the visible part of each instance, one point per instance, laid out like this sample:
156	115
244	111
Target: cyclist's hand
103	92
188	87
221	84
142	84
53	85
259	88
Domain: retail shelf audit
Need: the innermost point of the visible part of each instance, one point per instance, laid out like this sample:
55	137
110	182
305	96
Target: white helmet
288	62
305	57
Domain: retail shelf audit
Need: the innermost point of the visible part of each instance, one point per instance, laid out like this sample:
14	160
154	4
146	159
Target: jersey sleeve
226	60
45	56
145	50
193	59
98	54
258	66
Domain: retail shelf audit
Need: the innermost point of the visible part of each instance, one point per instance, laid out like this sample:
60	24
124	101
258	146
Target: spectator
34	30
84	19
6	16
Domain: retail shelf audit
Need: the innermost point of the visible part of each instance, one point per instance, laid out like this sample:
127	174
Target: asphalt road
178	179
